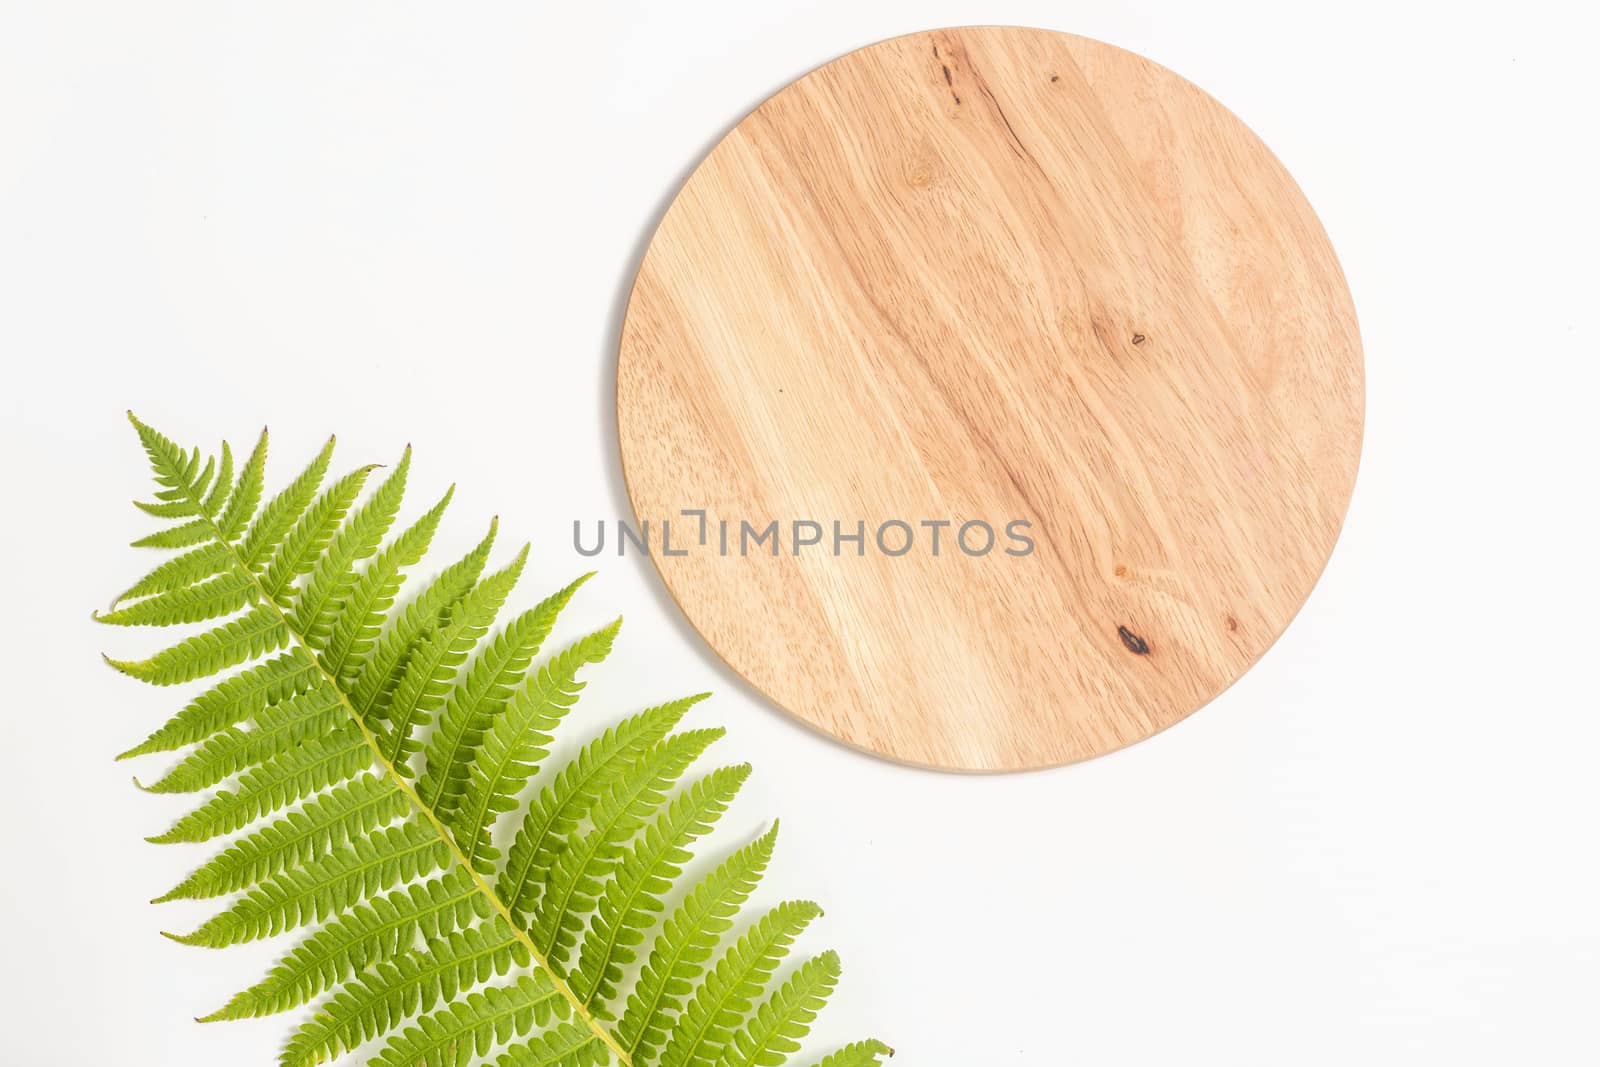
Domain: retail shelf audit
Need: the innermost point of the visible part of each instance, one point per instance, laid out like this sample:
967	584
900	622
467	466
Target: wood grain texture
994	273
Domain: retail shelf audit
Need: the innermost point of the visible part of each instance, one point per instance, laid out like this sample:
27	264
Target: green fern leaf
685	944
334	577
774	1032
308	539
166	509
325	822
253	634
326	886
565	1046
276	729
729	990
221	596
174	468
584	864
276	784
246	494
555	812
283	511
632	899
190	533
480	697
371	677
431	667
470	1027
370	933
232	701
419	932
516	743
374	1002
860	1054
180	572
221	487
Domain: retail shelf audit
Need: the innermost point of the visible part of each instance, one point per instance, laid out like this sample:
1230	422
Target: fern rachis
364	754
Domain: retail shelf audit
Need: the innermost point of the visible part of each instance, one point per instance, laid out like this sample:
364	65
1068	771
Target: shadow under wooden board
1045	371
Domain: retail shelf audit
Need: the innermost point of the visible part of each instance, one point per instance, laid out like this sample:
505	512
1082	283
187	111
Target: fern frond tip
868	1053
174	836
239	1006
222	1014
143	748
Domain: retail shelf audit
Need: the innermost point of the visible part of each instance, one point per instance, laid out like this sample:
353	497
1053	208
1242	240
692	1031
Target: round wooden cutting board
1004	280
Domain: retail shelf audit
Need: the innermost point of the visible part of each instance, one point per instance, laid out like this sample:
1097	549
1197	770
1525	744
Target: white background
419	222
